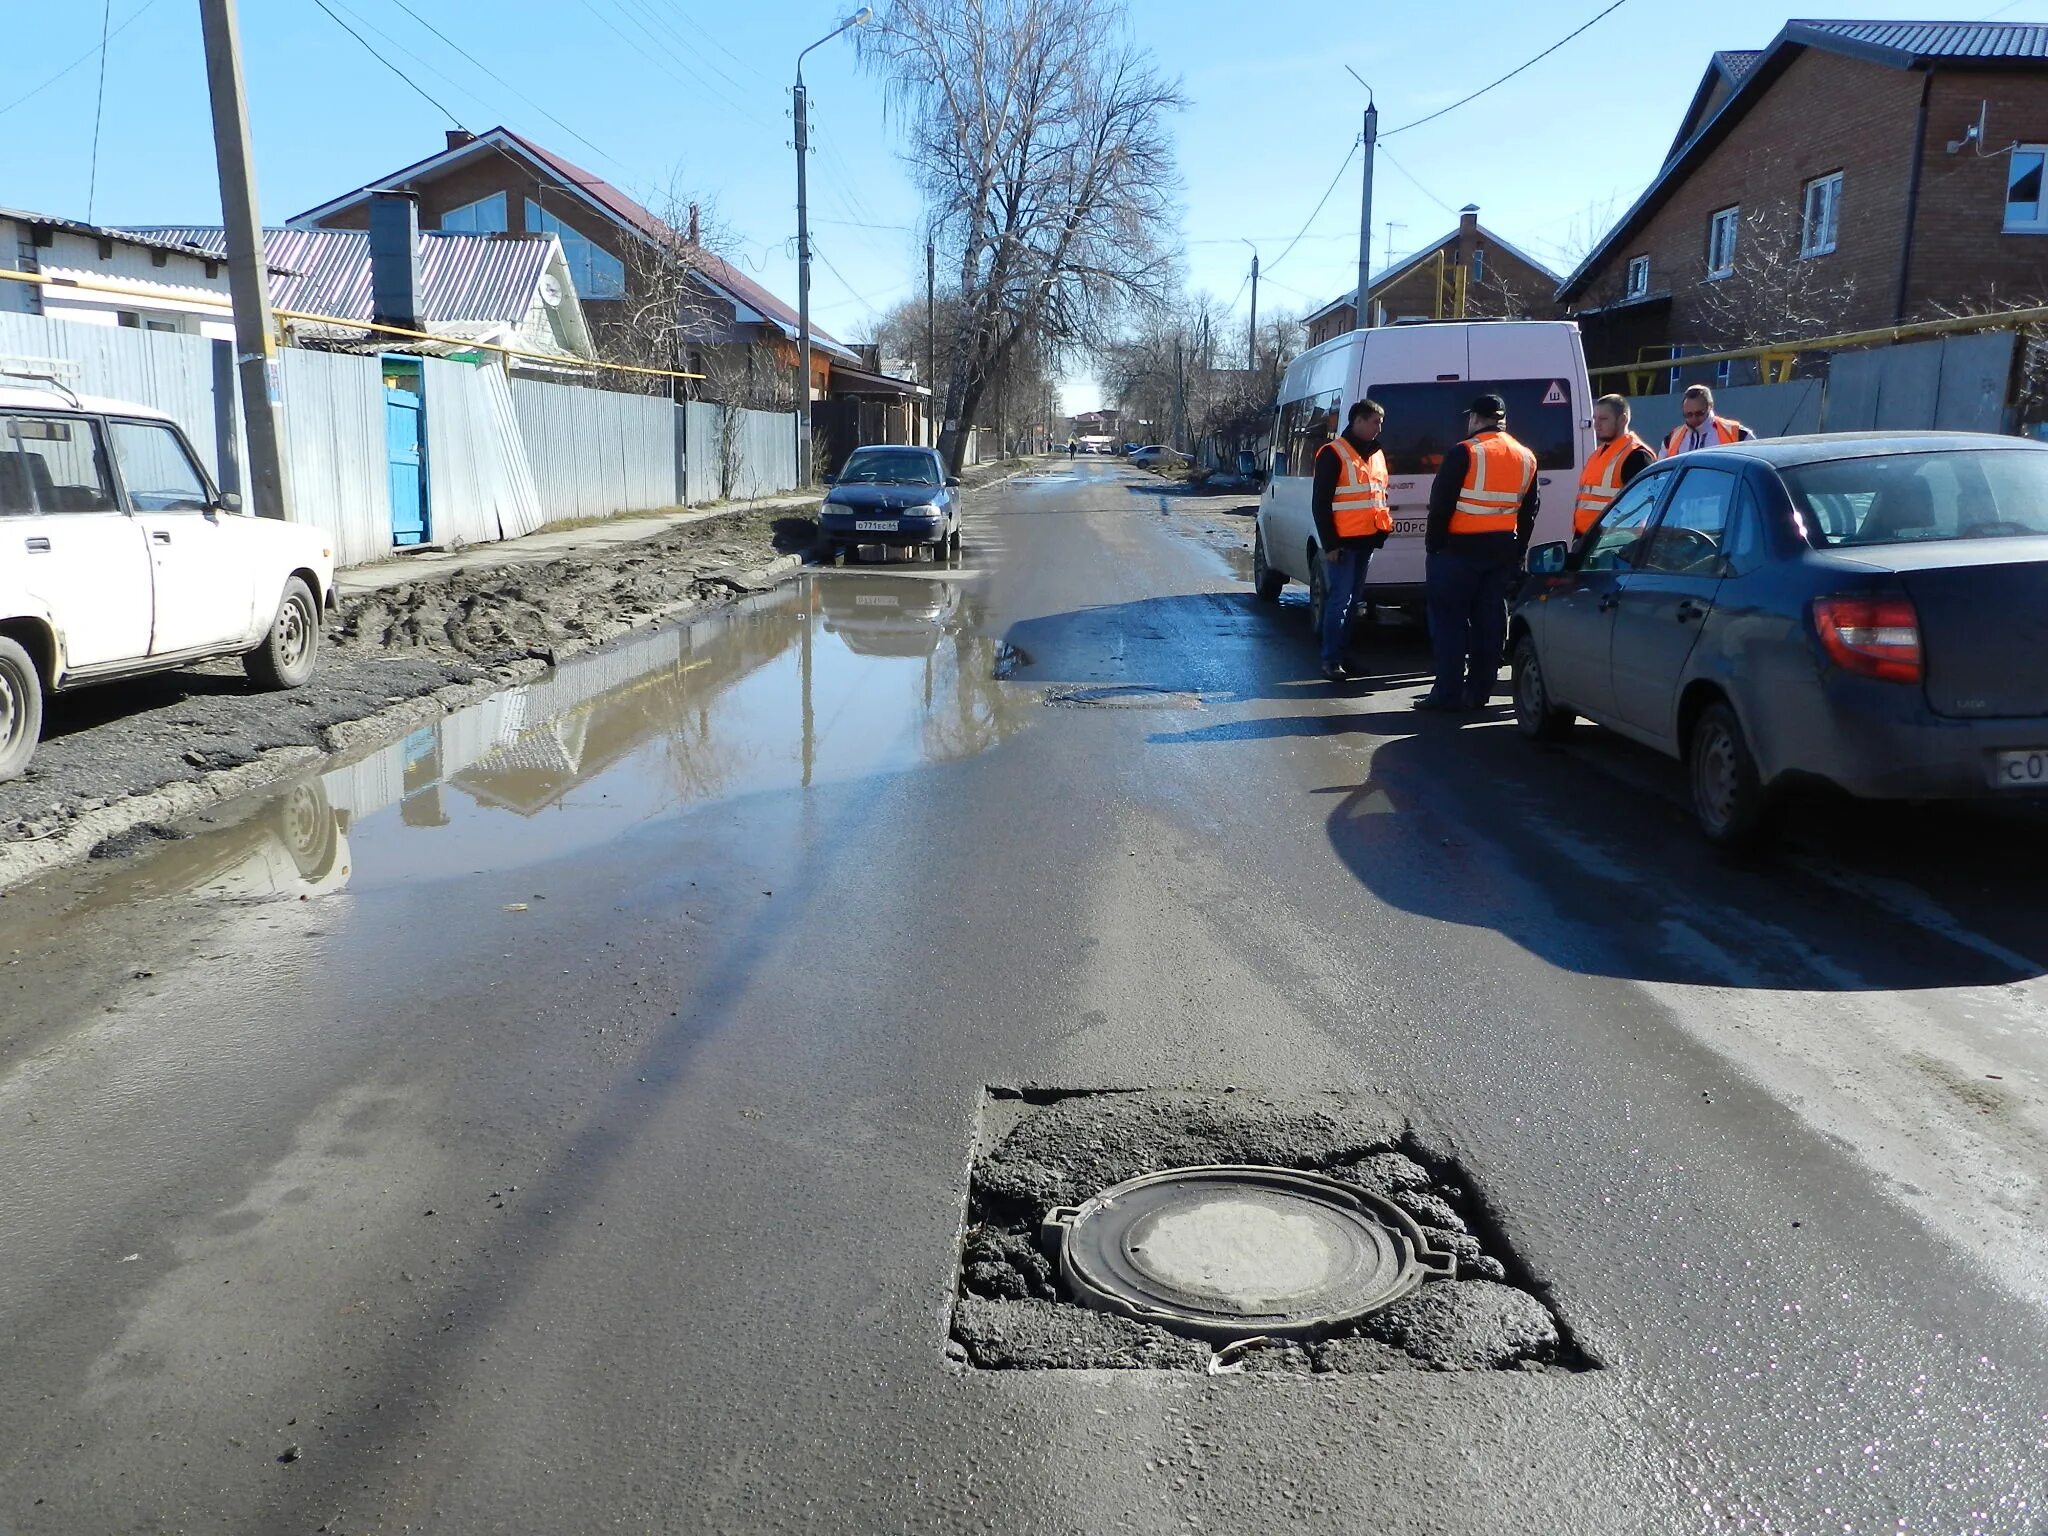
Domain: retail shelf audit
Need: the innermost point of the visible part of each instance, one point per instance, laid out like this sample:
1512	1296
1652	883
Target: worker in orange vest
1349	499
1618	459
1702	428
1482	510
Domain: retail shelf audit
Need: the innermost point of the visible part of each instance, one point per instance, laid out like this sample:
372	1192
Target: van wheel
290	651
1535	715
1318	592
1267	583
21	709
1727	796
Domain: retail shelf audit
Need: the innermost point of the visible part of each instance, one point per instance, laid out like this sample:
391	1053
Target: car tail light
1872	636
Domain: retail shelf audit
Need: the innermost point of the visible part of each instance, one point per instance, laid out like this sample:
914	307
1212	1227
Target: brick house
1497	280
501	182
1854	174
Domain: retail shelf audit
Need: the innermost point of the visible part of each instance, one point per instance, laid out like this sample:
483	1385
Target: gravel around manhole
1058	1150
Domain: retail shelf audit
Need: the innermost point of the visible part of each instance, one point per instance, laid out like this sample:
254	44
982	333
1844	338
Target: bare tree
1037	130
1772	292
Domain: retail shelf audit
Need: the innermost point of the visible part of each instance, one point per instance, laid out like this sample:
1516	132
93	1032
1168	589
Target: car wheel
1318	592
305	825
939	553
953	543
1727	795
290	651
1267	583
1535	715
21	709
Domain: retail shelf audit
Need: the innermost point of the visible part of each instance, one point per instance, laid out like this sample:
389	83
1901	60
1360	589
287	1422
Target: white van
1425	376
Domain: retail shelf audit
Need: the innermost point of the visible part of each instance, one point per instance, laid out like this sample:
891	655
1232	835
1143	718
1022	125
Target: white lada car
117	557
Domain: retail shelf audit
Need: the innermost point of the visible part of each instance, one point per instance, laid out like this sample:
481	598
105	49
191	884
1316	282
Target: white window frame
1638	281
1478	265
1730	219
596	272
1820	228
2038	225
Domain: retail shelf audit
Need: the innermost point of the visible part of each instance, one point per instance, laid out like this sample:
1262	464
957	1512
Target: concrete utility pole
803	252
1251	346
255	327
1363	315
931	337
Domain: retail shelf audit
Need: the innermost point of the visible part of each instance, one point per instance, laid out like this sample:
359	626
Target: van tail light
1872	636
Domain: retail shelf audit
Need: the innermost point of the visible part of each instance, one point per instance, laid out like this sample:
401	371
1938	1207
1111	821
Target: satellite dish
550	290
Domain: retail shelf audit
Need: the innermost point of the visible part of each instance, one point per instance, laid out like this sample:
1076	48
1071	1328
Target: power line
827	260
1348	158
99	107
528	100
1418	186
698	81
84	58
373	53
1504	79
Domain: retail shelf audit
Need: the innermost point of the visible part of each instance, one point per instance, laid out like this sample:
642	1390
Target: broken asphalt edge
30	858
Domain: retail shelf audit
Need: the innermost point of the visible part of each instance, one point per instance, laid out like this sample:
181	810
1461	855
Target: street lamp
803	253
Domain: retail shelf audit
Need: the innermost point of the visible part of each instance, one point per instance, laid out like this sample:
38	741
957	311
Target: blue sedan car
892	497
1867	610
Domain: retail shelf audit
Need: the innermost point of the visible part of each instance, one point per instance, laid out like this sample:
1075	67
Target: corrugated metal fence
503	456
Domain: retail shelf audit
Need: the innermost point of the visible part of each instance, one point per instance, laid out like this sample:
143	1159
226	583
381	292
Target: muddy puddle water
839	675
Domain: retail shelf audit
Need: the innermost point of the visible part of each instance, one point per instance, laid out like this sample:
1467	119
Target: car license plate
876	527
2027	769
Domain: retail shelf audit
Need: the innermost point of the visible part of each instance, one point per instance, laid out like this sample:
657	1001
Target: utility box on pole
256	362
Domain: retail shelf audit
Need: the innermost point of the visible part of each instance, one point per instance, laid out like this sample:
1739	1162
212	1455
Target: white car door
80	556
205	584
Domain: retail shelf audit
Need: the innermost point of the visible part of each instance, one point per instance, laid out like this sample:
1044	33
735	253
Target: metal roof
157	240
1917	42
1415	259
752	299
475	279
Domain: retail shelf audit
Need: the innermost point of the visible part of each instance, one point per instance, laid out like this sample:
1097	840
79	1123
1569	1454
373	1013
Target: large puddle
839	675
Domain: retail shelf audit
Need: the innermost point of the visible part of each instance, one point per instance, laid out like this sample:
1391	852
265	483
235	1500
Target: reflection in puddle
837	676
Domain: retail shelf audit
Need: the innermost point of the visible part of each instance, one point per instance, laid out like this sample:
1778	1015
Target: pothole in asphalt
1122	696
1228	1233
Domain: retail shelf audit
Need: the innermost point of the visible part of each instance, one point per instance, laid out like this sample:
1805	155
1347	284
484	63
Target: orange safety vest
1498	476
1601	482
1360	508
1725	428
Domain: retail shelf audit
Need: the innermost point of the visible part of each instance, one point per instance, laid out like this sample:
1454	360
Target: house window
598	274
1638	277
1478	267
1822	215
485	216
2025	210
1721	242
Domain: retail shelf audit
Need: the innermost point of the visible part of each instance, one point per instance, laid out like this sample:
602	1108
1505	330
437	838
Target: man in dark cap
1482	510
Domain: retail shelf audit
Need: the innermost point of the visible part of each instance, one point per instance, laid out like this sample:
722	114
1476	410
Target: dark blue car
892	497
1867	610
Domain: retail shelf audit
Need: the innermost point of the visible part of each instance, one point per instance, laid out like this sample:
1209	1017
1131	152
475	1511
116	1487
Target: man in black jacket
1347	552
1477	534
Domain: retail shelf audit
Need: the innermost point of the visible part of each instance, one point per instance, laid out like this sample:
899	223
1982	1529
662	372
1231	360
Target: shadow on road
1607	873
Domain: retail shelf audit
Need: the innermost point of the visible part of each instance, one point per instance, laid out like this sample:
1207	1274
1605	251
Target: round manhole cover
1231	1251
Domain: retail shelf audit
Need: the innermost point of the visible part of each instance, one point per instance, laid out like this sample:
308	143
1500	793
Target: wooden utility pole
931	335
256	363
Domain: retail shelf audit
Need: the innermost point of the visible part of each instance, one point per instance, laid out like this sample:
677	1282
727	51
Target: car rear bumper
1880	741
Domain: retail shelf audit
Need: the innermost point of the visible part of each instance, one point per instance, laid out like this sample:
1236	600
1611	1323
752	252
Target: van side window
1304	426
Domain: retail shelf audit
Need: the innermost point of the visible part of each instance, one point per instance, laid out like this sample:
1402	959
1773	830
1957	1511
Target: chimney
395	259
457	137
693	223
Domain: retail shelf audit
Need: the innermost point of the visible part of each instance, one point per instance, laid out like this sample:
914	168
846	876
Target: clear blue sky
694	94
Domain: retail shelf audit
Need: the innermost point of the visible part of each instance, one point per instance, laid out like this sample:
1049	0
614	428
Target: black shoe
1430	703
1334	672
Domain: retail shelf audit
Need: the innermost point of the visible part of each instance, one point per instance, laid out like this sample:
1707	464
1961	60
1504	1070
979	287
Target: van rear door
1399	367
1540	370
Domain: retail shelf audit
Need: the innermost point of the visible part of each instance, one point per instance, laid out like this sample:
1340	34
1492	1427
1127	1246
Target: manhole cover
1228	1251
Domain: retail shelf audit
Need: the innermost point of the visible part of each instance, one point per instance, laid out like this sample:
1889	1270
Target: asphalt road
560	1121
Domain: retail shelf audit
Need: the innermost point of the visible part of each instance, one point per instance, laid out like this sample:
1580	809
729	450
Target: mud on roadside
410	651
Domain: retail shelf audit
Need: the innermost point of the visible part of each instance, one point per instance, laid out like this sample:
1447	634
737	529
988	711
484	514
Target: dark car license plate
2024	769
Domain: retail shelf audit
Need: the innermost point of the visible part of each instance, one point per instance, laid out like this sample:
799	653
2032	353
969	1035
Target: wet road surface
559	1120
